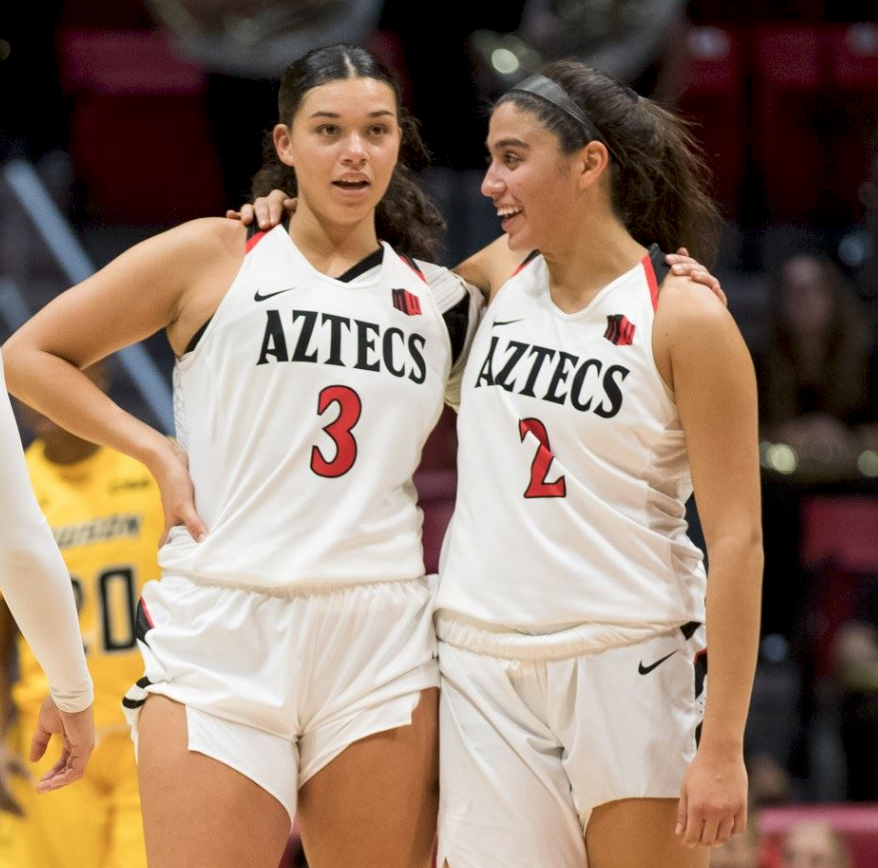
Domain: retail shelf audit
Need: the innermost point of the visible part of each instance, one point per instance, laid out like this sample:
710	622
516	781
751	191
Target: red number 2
539	469
339	430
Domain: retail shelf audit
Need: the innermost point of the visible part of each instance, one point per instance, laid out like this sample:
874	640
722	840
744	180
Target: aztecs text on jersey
303	409
573	467
106	515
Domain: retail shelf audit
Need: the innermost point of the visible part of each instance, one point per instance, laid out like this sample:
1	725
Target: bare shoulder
683	304
208	236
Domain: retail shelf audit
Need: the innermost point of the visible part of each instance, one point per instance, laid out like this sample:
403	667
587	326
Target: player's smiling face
344	144
531	182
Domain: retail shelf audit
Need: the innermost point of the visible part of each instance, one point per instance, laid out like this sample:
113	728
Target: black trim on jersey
457	322
141	623
529	258
193	342
659	266
373	260
689	629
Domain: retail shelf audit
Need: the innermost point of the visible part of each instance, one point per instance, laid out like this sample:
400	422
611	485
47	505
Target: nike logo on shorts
258	297
500	322
645	670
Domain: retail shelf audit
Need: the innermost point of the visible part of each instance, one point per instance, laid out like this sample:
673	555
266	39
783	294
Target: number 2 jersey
106	515
573	469
303	409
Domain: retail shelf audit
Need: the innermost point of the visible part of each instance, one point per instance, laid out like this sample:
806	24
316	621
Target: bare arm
702	356
166	282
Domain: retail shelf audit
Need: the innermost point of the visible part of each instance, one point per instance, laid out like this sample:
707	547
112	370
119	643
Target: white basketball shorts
276	687
528	748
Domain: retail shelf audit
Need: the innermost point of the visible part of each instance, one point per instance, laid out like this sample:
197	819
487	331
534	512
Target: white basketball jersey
573	469
303	409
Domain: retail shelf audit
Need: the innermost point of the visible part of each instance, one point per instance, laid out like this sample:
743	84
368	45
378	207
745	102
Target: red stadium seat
813	95
857	823
715	98
840	546
788	148
139	137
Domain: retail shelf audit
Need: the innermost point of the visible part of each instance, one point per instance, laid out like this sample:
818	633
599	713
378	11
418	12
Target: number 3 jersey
303	410
573	469
106	515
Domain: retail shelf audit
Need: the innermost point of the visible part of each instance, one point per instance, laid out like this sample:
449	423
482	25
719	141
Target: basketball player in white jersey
36	586
571	608
289	648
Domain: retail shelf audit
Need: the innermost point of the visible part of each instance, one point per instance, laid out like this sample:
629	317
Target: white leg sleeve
33	578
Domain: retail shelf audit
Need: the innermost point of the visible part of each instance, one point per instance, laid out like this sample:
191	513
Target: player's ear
283	143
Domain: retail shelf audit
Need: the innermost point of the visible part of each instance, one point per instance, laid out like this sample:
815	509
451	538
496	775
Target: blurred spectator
856	679
814	845
741	851
770	782
814	371
814	376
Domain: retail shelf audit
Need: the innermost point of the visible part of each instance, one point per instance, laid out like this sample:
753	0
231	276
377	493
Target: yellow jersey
106	515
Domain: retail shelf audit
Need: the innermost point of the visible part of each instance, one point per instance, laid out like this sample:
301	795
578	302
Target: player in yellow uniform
105	512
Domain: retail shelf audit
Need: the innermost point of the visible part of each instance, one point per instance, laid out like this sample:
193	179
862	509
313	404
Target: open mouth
506	214
351	185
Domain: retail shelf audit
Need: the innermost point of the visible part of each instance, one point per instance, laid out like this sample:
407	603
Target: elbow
12	352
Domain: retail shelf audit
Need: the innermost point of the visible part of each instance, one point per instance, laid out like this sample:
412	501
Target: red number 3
539	469
339	430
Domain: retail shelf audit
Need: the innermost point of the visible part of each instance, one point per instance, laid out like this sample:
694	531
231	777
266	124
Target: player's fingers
39	743
290	204
694	825
682	810
233	215
248	215
709	831
724	831
682	251
194	524
54	780
262	210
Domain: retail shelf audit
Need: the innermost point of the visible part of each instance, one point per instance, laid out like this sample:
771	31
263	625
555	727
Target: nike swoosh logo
499	322
645	670
258	297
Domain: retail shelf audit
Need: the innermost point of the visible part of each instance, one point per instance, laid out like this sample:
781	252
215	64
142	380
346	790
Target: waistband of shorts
505	642
315	588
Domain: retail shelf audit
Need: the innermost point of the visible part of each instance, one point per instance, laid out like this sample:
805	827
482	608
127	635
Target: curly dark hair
405	217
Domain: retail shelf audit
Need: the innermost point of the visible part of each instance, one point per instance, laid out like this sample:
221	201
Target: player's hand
171	472
713	800
267	211
77	731
682	263
11	766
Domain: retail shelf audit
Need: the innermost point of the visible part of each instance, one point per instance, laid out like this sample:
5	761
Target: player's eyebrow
508	143
376	114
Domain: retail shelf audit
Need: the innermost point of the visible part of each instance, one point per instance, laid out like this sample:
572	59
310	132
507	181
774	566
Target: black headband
551	91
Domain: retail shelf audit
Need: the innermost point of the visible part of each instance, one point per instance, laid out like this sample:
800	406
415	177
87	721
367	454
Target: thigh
505	796
376	802
127	848
197	811
631	833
